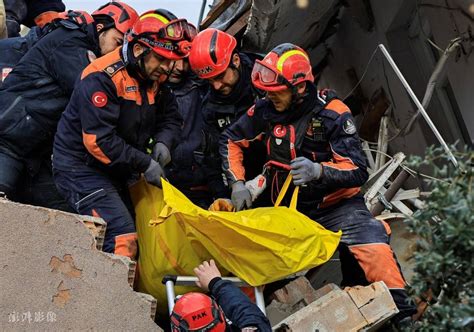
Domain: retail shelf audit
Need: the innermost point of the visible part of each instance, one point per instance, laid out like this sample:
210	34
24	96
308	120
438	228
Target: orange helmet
122	15
168	38
211	52
77	16
197	312
284	67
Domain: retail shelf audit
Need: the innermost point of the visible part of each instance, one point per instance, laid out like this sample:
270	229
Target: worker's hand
153	173
161	154
222	204
304	170
205	273
256	186
241	197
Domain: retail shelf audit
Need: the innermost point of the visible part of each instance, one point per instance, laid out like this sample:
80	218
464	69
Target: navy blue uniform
102	139
186	170
27	12
13	49
237	306
219	112
323	133
32	98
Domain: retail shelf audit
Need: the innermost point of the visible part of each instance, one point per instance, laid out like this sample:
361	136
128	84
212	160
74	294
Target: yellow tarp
259	245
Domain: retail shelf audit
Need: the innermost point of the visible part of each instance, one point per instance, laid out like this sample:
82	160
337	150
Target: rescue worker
184	171
197	311
36	92
315	141
214	57
30	13
116	108
14	48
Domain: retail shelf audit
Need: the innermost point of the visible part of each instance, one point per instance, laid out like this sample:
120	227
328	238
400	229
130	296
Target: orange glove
222	204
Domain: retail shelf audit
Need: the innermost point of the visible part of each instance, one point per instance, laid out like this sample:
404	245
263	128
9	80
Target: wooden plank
368	154
238	25
374	190
382	145
215	12
402	195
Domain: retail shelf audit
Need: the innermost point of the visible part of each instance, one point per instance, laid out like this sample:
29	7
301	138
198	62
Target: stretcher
172	280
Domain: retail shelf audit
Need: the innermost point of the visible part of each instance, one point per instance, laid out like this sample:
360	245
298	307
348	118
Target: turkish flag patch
99	99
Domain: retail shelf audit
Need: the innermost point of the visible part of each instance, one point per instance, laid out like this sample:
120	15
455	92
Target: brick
296	291
97	228
334	311
326	289
351	309
374	302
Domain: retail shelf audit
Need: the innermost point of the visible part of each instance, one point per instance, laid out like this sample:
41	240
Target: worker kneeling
117	107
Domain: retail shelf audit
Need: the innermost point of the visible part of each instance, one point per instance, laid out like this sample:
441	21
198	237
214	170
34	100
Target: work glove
241	197
256	186
161	154
153	173
304	171
222	204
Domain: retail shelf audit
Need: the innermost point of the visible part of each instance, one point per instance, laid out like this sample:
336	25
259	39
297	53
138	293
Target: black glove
154	173
161	154
241	197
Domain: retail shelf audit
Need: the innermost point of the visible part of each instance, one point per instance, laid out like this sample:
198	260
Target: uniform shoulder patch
114	68
337	106
349	127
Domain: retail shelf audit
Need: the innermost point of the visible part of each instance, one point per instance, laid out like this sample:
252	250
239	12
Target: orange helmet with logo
284	67
122	15
197	312
211	52
168	38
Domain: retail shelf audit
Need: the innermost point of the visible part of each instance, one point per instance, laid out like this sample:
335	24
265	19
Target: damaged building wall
404	26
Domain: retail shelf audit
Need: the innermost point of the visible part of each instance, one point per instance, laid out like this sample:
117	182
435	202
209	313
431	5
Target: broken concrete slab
54	278
352	309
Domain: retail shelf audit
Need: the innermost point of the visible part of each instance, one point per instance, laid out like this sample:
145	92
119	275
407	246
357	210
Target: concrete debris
351	309
54	278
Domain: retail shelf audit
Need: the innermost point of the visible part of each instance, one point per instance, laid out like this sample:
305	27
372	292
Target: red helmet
122	14
196	311
171	39
211	52
284	67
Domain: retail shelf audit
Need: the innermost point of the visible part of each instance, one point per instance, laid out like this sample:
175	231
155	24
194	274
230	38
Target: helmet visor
178	30
267	76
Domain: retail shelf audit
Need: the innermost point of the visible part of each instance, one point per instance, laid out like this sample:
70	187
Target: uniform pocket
27	135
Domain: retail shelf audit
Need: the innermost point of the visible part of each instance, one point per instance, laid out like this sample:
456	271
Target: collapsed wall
53	277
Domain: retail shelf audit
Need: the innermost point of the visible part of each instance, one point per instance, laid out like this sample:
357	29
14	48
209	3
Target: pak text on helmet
211	53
